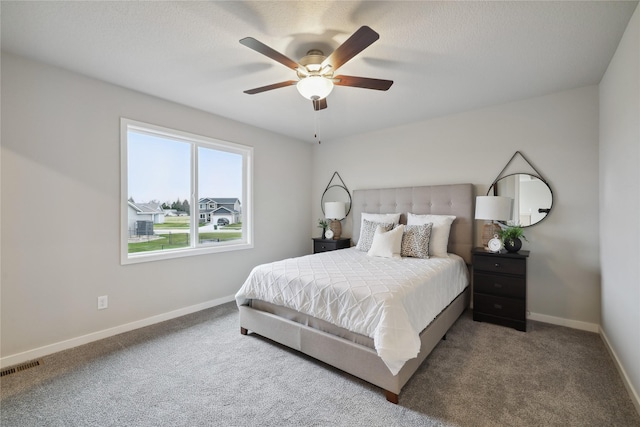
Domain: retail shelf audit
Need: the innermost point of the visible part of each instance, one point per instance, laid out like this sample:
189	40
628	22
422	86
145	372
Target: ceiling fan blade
271	87
319	104
262	48
363	82
355	44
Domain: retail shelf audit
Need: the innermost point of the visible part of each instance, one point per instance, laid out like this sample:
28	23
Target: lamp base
488	231
336	227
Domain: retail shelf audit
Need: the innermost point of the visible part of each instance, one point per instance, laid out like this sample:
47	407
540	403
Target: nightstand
324	245
500	288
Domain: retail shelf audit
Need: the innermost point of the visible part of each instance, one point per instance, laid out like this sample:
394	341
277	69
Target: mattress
388	300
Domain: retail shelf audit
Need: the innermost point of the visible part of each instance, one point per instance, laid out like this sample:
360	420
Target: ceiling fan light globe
315	87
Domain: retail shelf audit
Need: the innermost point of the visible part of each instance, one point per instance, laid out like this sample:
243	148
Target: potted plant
511	235
323	223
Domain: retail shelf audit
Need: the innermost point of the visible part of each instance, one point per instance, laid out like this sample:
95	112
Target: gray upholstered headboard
456	199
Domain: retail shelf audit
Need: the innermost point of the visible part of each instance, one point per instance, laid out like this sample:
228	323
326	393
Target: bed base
355	359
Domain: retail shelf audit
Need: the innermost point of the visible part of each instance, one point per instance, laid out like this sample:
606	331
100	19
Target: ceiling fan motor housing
312	62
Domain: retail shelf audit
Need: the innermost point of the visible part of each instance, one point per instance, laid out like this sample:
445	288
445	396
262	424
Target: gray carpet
199	371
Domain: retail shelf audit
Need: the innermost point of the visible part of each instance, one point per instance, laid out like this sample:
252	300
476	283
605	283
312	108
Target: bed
352	346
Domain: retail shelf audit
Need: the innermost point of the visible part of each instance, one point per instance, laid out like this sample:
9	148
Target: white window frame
195	141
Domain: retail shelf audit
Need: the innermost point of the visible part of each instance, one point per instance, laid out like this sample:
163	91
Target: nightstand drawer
498	306
324	246
499	265
499	285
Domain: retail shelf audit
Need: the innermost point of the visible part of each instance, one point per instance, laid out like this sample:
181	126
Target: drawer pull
496	265
497	285
497	306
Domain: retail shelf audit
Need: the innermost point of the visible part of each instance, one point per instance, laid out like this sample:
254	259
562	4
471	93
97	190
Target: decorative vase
513	245
324	230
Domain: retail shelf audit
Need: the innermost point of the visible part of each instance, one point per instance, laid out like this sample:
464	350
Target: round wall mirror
336	193
532	197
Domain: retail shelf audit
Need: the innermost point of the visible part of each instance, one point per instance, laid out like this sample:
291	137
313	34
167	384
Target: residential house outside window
182	194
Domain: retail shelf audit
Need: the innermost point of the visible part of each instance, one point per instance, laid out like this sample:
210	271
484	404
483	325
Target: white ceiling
444	57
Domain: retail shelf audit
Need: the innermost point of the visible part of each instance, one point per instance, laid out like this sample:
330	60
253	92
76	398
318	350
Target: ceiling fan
315	71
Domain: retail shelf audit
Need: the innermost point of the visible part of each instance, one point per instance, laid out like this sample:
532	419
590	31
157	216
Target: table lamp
492	209
335	211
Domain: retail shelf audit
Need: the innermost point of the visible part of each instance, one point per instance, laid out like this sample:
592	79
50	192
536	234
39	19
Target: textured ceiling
444	57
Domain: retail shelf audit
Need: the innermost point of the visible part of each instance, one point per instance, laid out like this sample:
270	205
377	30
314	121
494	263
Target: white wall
620	204
558	133
60	154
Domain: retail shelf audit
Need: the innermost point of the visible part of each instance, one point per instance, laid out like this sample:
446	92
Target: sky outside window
159	169
219	174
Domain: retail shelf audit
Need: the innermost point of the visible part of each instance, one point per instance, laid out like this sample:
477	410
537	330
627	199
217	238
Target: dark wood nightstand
500	288
324	245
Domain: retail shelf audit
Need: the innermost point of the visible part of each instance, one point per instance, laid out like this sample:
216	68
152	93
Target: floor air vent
19	368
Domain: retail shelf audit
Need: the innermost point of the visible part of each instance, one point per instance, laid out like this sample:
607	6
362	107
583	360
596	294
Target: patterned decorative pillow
393	218
367	232
415	241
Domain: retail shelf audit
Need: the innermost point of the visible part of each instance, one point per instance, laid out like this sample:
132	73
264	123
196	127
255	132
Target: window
182	194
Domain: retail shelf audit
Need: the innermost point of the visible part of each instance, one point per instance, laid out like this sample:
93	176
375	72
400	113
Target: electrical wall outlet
103	302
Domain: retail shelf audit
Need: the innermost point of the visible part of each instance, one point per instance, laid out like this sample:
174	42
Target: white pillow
439	234
387	244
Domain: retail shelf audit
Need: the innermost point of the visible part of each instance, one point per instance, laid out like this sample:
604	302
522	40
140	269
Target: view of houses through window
183	193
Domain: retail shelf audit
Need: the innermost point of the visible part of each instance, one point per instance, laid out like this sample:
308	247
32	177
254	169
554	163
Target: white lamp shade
335	210
315	87
496	208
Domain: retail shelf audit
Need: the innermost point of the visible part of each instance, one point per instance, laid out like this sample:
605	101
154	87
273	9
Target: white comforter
389	300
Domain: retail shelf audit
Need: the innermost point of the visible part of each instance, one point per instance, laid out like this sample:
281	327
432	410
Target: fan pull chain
315	123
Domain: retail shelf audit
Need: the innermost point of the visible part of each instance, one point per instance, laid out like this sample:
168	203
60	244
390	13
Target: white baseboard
46	350
633	393
574	324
